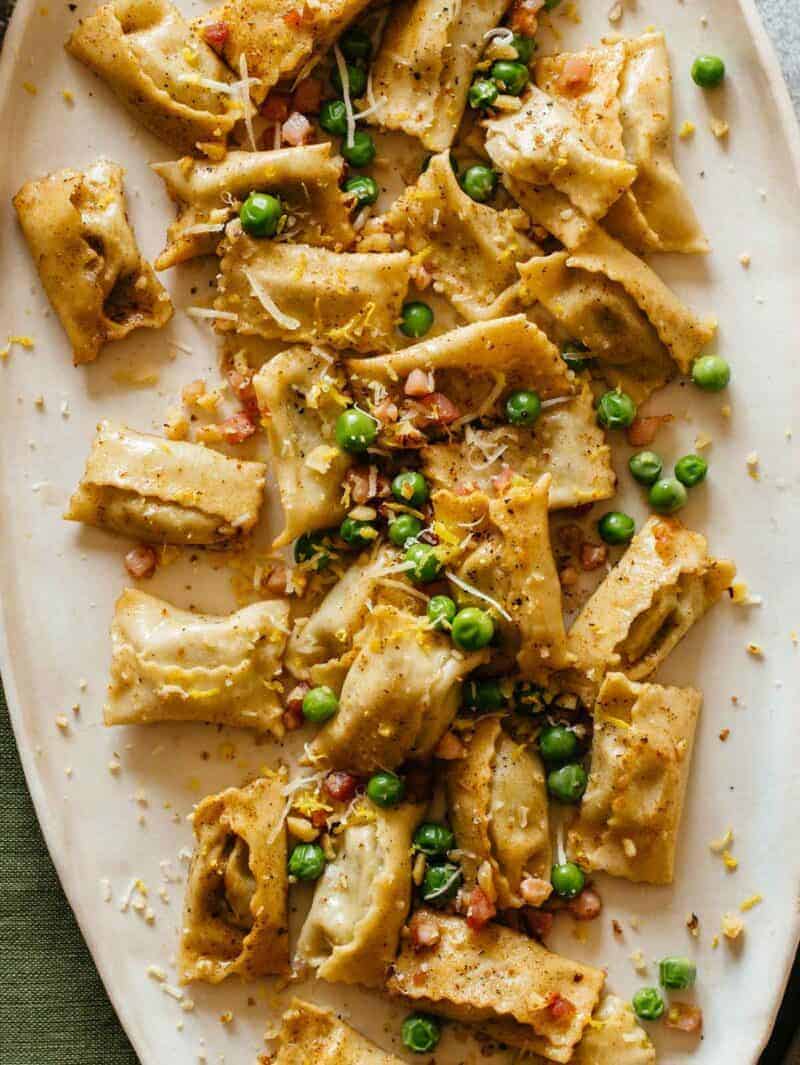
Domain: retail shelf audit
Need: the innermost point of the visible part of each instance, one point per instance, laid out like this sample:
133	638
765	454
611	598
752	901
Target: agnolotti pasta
209	195
301	293
277	39
311	1034
469	249
399	696
235	918
166	491
641	752
424	66
87	258
300	396
162	72
661	586
566	442
352	932
502	981
613	1036
169	664
497	801
508	559
543	144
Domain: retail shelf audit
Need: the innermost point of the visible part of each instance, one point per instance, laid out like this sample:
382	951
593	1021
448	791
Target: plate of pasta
400	521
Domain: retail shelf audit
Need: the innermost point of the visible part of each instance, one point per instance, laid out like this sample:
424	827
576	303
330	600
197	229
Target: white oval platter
107	829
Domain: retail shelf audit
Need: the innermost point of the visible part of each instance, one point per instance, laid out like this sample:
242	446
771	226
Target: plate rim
21	16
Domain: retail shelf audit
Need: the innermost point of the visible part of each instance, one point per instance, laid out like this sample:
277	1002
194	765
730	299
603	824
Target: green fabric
53	1008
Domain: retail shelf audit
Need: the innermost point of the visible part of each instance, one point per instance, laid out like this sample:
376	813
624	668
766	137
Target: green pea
551	5
420	1032
479	182
667	495
410	488
615	410
319	704
513	77
426	563
572	352
260	214
616	527
567	880
523	407
441	611
708	71
648	1005
524	47
362	151
645	467
386	789
529	698
568	783
403	528
307	861
712	373
355	43
482	94
472	629
434	839
316	545
676	974
441	883
333	117
691	470
557	743
355	430
483	695
357	78
358	533
416	318
364	189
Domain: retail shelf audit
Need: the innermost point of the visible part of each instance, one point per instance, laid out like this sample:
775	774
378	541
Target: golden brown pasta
352	932
161	70
497	801
641	752
502	981
86	255
166	491
171	665
311	1034
235	917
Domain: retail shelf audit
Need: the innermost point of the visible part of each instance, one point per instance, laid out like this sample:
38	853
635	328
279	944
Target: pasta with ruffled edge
612	1038
319	1036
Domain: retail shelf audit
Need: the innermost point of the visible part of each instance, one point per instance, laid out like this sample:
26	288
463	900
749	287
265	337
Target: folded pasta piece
300	396
566	441
169	664
165	491
209	195
512	987
399	696
661	586
473	367
352	932
301	293
311	1034
87	258
424	66
161	70
275	39
625	109
235	917
641	752
508	561
498	809
470	250
543	144
625	348
614	1038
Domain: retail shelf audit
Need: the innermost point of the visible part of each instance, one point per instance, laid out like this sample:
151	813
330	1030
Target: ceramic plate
109	829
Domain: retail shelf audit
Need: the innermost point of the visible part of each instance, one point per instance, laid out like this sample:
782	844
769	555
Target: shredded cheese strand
203	227
502	34
209	312
348	104
246	102
285	321
472	590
